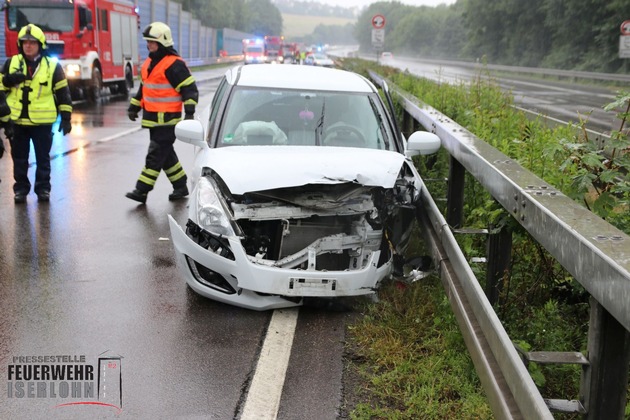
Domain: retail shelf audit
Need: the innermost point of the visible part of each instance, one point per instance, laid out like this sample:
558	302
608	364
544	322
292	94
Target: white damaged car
302	187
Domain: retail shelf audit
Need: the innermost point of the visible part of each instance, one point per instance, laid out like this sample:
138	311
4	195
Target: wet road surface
91	275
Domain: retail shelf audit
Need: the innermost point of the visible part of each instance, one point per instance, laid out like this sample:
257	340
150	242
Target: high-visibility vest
41	107
157	93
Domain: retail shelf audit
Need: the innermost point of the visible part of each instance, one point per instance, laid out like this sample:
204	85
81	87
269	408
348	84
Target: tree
262	18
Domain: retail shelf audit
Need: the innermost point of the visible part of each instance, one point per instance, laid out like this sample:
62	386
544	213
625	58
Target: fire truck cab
96	41
254	50
273	49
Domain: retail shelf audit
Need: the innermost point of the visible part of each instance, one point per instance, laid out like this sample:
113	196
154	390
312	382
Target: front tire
125	87
96	86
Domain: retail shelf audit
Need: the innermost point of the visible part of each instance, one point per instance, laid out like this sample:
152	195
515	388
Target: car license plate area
311	287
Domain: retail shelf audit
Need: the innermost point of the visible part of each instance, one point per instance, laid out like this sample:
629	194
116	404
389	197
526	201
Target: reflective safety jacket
162	73
166	85
157	93
39	91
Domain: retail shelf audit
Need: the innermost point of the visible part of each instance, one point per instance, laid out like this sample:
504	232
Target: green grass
301	25
410	355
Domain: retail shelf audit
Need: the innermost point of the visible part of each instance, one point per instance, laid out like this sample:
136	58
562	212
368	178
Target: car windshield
257	116
254	49
53	19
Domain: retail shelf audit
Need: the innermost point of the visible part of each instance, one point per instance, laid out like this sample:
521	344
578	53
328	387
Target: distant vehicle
330	195
319	59
387	56
274	49
254	50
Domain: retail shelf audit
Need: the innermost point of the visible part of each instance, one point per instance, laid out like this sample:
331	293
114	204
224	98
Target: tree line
258	17
262	17
565	34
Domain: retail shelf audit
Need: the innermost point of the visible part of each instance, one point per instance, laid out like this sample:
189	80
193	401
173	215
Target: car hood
257	168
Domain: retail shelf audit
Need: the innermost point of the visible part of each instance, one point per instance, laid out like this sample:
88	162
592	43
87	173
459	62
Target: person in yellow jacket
166	86
37	93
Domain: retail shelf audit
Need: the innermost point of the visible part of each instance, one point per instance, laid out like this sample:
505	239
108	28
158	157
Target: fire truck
273	49
254	50
96	41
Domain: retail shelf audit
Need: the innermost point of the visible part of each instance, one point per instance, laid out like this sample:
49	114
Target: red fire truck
273	48
96	41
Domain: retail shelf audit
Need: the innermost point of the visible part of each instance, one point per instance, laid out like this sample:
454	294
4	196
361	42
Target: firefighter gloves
65	127
13	79
8	130
132	112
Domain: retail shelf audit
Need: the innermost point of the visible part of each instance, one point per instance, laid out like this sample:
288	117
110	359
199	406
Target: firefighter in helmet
37	92
166	86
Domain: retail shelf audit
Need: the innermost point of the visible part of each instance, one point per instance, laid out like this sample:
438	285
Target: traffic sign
378	38
378	21
625	27
624	46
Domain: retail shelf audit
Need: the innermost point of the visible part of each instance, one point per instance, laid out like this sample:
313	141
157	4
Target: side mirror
422	143
190	131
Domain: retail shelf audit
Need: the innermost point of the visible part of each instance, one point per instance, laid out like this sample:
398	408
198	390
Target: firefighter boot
139	196
178	193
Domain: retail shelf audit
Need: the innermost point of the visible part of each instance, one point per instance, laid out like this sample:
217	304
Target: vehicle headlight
73	71
211	214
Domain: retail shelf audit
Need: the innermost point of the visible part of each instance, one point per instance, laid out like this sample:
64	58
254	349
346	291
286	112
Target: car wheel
96	86
125	87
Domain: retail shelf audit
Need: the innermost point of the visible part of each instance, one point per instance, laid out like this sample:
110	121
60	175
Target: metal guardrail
569	74
593	251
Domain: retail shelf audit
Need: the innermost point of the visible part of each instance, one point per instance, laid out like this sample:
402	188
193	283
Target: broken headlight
211	212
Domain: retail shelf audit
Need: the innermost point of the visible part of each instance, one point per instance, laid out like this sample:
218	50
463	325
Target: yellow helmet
32	32
158	32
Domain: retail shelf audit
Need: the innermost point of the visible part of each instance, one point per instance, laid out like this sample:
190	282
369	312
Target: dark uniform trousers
42	137
161	156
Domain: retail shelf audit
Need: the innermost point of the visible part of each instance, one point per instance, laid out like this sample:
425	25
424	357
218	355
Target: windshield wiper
381	124
319	128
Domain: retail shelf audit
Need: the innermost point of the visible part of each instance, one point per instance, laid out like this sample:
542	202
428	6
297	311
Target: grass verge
410	359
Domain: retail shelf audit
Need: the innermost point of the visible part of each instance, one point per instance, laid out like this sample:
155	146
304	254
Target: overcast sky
351	3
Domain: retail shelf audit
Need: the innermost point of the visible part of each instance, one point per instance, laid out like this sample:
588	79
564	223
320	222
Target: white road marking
263	398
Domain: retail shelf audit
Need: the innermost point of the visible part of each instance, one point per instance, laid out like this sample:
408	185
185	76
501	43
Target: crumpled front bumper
262	287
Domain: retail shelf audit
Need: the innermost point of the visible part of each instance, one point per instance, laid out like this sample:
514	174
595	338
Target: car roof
298	77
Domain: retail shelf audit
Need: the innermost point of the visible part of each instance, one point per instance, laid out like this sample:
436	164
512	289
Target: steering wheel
344	135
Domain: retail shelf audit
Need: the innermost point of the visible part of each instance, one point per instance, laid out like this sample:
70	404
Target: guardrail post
455	194
605	380
498	256
409	124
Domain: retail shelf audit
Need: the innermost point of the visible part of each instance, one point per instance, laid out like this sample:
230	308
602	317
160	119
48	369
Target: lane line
265	391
